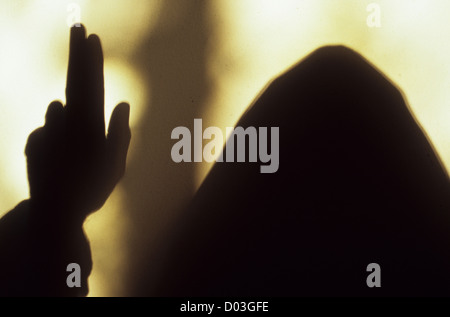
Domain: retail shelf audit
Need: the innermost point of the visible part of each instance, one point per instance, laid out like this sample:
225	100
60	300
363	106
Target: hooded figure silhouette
358	183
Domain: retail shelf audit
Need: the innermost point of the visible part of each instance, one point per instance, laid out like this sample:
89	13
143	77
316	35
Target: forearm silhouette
72	169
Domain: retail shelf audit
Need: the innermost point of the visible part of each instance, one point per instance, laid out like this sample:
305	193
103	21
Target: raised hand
72	166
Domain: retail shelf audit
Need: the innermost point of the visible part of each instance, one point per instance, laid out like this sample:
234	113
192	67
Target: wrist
55	213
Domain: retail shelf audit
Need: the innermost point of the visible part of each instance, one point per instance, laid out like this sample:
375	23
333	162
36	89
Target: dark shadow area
358	183
173	62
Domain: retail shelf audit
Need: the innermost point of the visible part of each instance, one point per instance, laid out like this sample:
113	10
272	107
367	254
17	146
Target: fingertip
94	41
54	107
78	31
119	122
34	140
121	113
95	47
54	112
57	104
93	38
124	108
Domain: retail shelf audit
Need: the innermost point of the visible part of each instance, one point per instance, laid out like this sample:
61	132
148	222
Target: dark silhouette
358	183
72	169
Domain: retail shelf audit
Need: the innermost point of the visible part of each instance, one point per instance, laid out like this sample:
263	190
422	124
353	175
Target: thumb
118	140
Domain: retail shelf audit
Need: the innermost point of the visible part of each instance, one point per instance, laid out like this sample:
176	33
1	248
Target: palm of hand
72	165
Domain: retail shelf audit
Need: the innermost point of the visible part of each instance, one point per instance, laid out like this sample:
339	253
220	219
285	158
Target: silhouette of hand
72	166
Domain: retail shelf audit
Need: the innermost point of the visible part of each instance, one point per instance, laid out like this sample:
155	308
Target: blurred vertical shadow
173	64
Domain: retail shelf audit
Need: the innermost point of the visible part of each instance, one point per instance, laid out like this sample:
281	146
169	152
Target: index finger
85	84
74	86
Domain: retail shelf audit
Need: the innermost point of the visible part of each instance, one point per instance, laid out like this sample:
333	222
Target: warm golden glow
254	41
261	38
106	230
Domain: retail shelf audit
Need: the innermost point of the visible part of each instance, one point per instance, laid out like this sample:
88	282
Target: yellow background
176	60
